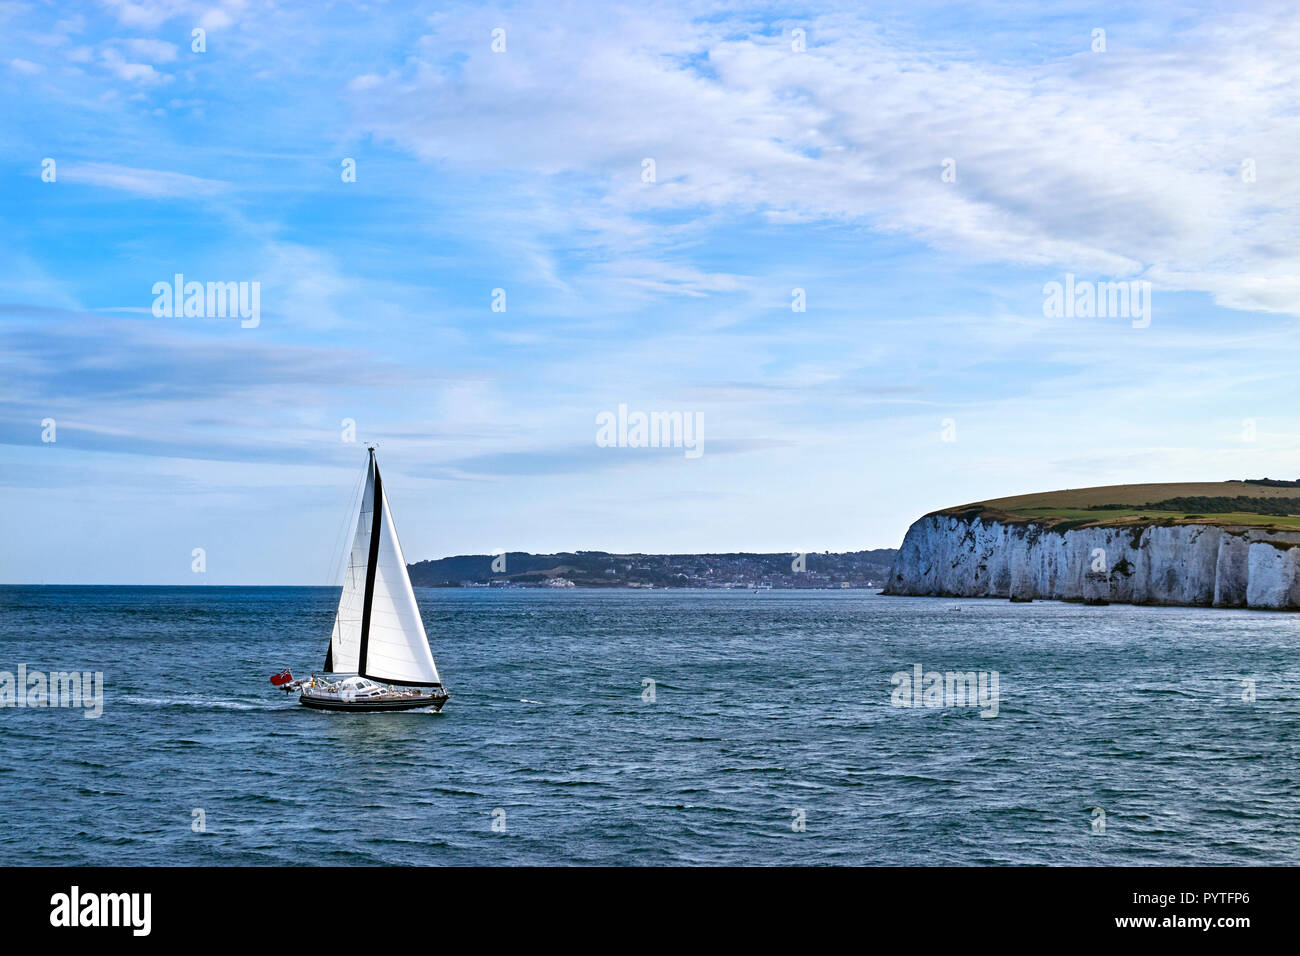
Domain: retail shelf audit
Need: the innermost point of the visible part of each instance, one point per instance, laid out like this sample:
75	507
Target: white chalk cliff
1198	564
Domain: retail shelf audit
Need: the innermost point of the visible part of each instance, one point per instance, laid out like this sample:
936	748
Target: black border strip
1029	905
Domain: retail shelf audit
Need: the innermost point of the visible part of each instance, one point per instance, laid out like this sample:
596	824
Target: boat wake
206	703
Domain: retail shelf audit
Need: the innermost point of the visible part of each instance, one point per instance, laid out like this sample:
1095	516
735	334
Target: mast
372	563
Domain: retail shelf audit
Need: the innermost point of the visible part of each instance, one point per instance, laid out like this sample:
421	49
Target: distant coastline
602	569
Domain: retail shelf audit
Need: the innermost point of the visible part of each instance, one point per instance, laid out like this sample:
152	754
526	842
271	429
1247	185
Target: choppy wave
771	737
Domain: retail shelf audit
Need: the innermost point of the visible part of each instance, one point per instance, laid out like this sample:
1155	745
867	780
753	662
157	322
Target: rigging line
340	541
336	569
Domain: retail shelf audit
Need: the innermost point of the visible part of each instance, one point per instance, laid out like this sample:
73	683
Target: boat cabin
359	687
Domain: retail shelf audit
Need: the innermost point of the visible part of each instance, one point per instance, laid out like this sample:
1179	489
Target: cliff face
951	556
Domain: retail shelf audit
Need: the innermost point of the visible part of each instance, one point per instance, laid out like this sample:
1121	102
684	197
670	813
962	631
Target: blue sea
1121	735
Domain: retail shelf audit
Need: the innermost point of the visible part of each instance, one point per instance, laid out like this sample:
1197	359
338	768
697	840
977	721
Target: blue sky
775	168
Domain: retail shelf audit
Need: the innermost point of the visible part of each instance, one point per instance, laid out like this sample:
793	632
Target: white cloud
158	51
147	14
367	81
142	74
25	67
1120	163
216	19
151	14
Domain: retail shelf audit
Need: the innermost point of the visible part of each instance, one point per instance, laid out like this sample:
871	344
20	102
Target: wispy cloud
586	458
1063	163
142	182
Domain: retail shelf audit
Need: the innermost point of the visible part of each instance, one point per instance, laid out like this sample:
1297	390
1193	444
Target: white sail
345	640
397	649
393	646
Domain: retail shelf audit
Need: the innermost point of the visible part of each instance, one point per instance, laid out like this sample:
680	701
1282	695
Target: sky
474	229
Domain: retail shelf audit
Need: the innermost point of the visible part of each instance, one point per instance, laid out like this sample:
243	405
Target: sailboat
378	643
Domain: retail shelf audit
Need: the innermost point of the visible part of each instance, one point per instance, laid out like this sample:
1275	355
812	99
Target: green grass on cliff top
1075	507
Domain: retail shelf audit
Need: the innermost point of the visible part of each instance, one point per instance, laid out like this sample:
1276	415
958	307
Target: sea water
656	727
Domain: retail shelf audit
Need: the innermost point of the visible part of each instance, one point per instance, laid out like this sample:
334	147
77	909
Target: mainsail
377	631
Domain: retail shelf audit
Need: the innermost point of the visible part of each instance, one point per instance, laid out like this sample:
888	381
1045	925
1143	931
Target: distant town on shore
600	569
